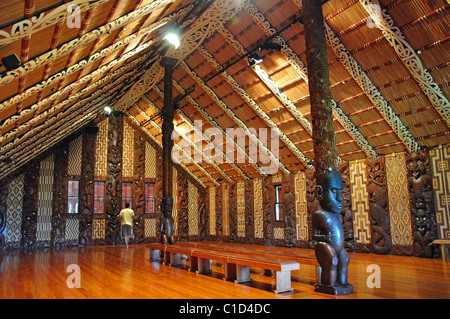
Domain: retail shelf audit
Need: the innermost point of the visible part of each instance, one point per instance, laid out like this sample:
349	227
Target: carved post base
336	290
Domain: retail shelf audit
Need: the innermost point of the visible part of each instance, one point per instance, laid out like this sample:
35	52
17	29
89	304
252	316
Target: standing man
126	217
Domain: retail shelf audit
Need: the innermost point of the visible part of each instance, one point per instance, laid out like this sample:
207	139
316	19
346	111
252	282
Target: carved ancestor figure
329	234
422	205
346	212
378	215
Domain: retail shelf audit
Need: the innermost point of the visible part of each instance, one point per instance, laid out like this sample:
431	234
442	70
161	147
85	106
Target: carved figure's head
329	191
416	165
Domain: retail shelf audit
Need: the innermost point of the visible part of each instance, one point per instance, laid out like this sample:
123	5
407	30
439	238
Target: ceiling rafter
176	146
206	138
409	57
191	144
157	142
249	101
216	125
298	65
233	116
371	91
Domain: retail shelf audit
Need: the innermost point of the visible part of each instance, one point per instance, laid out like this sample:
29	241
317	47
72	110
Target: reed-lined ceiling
389	71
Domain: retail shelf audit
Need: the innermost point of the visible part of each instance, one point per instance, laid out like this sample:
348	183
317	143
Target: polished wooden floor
117	272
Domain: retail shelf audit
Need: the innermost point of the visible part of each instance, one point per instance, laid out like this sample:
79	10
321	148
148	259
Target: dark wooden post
167	222
327	227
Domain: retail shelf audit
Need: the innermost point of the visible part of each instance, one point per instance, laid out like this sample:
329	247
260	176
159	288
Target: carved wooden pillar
167	223
86	208
113	185
139	186
327	221
30	204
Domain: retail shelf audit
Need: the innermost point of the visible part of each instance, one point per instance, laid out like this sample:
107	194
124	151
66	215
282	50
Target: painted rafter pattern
409	57
198	131
298	65
370	90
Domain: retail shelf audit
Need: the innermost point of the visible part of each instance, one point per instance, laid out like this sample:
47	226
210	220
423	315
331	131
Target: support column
167	222
327	228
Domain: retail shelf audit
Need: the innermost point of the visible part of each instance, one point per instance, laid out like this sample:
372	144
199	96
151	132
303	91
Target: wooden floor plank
117	272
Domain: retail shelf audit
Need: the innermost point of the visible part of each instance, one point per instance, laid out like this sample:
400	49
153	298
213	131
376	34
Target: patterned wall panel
14	211
192	209
258	208
150	227
399	209
150	161
72	229
44	218
75	155
98	228
175	198
212	211
301	211
278	233
440	165
360	202
101	150
226	210
241	209
127	151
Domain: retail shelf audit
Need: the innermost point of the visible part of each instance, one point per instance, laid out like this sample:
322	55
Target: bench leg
445	253
193	263
230	272
319	274
204	266
166	258
283	281
175	259
242	274
154	255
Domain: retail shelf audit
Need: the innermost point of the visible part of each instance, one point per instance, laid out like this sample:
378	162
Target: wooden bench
445	245
237	264
255	250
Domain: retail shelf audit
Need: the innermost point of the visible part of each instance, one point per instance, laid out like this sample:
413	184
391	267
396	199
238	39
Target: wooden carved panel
423	215
268	210
311	202
378	206
347	221
203	220
232	211
138	187
113	185
219	207
249	202
3	208
59	208
183	213
159	189
30	204
86	206
290	238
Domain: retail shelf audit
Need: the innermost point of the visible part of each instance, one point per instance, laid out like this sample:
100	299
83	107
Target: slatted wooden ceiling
389	75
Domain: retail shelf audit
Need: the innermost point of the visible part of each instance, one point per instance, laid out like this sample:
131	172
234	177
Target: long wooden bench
256	250
445	245
237	264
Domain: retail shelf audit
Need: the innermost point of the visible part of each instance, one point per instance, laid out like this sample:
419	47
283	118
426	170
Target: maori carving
202	212
268	211
312	203
378	205
59	207
219	207
290	239
139	187
113	186
346	212
30	205
232	211
3	207
422	204
249	201
86	207
183	213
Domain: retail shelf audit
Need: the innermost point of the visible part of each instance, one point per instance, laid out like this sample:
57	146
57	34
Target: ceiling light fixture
254	59
107	110
11	62
173	39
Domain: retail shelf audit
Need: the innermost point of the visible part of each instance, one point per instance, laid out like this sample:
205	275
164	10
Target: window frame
278	203
69	196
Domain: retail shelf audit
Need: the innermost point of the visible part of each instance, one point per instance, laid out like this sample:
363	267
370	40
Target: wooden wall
33	200
395	204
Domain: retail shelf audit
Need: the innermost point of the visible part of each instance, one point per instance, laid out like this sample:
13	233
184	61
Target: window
72	197
278	203
99	197
149	198
126	194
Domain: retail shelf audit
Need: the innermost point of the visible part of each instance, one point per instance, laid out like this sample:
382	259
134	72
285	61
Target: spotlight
107	110
173	38
254	59
11	62
271	46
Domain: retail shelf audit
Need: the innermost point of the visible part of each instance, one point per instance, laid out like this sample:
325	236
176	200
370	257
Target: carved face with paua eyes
329	191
